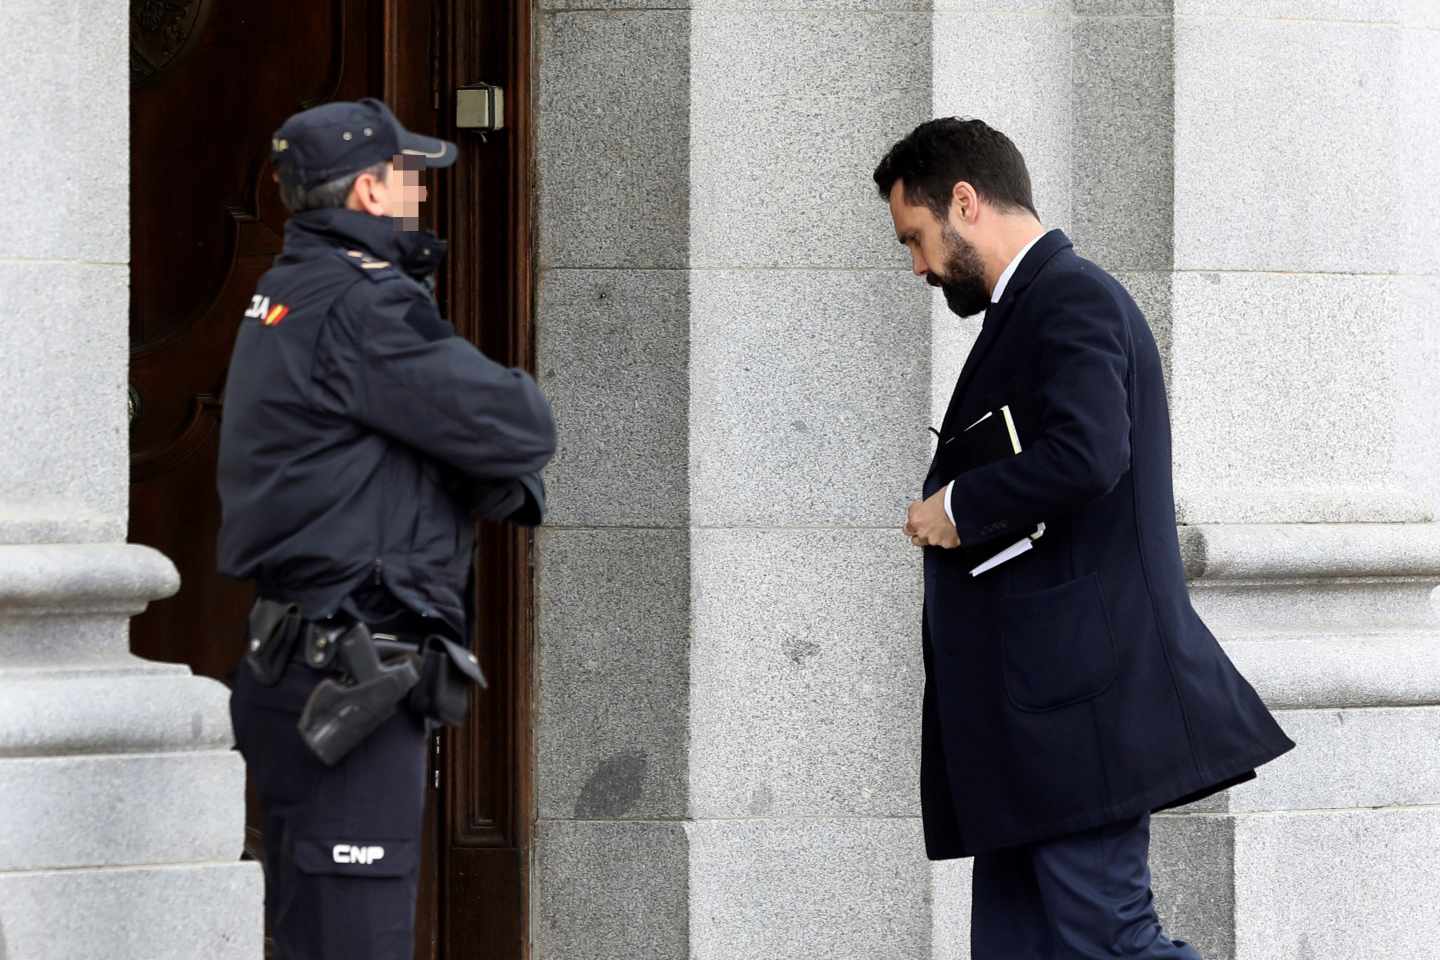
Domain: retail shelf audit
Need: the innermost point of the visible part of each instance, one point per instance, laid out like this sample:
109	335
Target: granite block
210	910
64	438
613	357
65	127
847	889
1284	396
1192	865
1290	116
613	657
809	394
951	339
806	674
108	809
1377	757
1015	73
612	891
612	139
1343	884
950	909
1124	125
782	157
1357	11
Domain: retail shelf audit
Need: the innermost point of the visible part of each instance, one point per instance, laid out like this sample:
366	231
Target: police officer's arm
383	359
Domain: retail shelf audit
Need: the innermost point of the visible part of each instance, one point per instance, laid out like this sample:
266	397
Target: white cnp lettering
348	853
259	306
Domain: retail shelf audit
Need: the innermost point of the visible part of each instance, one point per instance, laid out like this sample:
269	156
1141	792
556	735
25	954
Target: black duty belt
374	673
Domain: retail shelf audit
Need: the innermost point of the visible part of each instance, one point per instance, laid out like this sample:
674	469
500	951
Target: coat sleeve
1081	448
385	359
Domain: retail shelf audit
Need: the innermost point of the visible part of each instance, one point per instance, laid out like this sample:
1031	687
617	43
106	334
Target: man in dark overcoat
1072	690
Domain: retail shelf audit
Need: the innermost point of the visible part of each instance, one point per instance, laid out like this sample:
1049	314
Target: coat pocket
1058	648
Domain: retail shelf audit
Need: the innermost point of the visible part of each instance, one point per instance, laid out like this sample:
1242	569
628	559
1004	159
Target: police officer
360	438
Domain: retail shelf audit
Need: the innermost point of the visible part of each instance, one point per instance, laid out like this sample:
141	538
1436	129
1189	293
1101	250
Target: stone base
1321	885
778	889
185	912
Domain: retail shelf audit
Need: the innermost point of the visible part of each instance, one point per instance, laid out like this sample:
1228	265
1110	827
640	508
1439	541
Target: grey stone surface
848	889
42	714
72	196
1379	670
1382	757
613	358
613	139
1124	8
781	159
1151	291
613	633
1335	886
1315	608
1416	352
1279	551
109	809
808	396
1015	73
612	891
1366	11
840	7
1282	394
950	909
1289	116
63	349
1192	866
133	912
805	674
61	578
951	338
1124	125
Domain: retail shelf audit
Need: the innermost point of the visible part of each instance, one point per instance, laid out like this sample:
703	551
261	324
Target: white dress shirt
995	296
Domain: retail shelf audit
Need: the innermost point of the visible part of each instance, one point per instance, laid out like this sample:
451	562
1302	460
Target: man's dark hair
332	193
940	153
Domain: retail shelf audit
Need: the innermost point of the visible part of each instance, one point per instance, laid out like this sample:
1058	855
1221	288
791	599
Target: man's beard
963	280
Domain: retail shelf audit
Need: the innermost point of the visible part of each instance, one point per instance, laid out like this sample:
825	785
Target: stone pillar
742	370
728	642
121	805
1261	175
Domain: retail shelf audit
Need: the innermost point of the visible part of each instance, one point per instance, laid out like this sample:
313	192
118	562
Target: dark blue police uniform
360	438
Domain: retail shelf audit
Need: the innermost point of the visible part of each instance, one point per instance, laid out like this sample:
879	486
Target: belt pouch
447	672
274	628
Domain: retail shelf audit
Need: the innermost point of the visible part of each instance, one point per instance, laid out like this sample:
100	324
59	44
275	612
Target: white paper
1009	553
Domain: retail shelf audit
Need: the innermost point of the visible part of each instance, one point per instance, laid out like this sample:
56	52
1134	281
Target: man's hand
927	525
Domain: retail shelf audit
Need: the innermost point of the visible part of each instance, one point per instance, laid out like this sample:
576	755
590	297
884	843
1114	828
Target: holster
448	672
339	715
275	628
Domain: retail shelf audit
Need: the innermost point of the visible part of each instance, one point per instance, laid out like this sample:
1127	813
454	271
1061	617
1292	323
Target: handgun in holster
342	713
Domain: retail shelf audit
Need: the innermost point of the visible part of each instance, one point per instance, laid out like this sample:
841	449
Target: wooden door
211	81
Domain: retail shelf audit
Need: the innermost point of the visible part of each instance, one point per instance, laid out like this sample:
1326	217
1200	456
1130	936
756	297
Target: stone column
1261	174
121	805
728	616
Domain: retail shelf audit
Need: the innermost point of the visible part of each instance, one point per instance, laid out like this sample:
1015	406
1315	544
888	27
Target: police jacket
358	431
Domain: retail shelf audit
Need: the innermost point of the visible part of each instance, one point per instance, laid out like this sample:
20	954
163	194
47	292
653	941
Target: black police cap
326	142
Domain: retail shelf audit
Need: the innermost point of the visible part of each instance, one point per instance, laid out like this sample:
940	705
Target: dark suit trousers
1078	897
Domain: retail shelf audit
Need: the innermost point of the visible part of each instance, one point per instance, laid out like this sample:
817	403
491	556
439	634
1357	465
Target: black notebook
993	437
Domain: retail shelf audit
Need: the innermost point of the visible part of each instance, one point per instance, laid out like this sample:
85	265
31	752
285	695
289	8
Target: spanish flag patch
276	314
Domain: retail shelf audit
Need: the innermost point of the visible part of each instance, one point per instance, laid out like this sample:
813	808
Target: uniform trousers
1080	897
342	843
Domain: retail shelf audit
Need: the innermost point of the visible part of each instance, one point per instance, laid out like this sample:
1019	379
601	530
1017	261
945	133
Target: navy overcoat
1075	685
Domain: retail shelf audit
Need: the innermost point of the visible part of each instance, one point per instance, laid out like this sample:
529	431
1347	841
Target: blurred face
398	195
940	253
